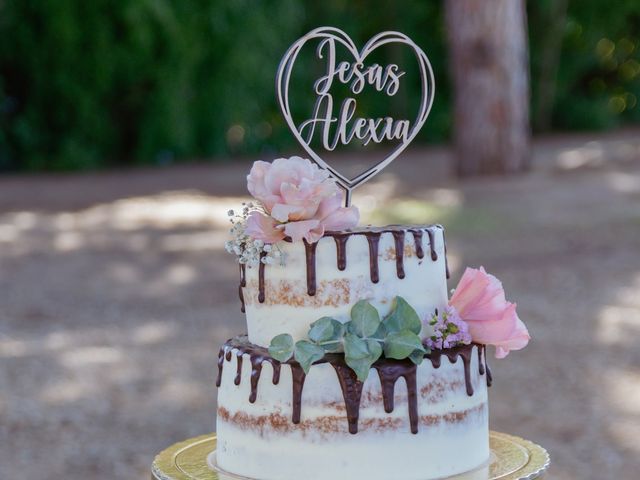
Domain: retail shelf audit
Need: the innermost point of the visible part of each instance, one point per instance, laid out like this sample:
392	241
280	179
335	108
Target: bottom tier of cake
404	422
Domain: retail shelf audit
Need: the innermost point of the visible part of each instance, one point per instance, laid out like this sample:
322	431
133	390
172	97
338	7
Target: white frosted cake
428	419
328	277
356	363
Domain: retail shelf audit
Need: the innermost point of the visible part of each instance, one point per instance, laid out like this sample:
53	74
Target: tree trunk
490	70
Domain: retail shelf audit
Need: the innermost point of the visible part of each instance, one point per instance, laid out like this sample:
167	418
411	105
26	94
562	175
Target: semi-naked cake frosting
328	277
405	421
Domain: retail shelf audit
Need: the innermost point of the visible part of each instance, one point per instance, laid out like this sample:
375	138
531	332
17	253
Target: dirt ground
115	293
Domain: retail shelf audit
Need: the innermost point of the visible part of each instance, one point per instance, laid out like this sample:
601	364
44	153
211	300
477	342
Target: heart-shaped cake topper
357	75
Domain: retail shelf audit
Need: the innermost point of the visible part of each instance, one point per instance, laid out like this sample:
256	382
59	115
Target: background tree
490	70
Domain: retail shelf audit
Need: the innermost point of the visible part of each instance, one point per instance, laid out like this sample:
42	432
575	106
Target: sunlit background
126	132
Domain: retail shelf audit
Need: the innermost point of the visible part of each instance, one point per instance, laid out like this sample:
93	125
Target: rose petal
256	184
262	227
310	230
330	204
478	295
481	303
335	217
284	213
342	219
494	329
518	339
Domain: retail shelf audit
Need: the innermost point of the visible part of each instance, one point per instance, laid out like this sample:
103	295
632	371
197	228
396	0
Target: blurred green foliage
597	79
86	84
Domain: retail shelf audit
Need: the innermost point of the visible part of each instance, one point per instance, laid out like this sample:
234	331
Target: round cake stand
512	458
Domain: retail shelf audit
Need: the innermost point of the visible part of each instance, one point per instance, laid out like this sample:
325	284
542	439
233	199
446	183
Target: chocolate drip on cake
310	254
466	361
276	371
238	377
374	241
257	356
341	249
256	371
486	366
432	245
220	367
298	376
412	392
261	278
243	283
446	260
464	352
373	238
351	391
417	240
398	238
389	372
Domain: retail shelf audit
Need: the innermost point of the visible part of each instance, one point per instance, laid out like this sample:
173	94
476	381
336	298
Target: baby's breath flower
248	250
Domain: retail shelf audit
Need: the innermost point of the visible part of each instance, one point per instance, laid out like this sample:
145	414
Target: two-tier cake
356	363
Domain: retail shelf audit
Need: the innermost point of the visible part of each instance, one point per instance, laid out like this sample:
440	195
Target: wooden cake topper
333	130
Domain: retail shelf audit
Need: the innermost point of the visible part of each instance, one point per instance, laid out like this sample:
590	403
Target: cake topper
356	75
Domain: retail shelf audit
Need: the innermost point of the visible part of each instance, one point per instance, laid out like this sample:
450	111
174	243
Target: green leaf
402	344
326	331
306	353
381	332
281	347
417	356
355	347
365	319
403	317
360	354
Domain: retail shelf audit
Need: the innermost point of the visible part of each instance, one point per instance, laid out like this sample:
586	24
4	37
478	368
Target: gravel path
115	294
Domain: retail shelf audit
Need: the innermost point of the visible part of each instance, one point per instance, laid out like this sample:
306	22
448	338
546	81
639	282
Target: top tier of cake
328	277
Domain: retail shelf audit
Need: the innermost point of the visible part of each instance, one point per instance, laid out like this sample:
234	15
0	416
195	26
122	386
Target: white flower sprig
250	251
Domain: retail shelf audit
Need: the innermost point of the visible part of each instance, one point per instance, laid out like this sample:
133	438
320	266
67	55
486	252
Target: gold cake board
512	458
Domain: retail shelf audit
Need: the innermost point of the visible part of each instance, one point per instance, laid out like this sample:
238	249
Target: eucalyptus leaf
403	317
360	354
306	353
332	347
417	356
361	367
355	347
400	345
365	319
381	332
375	349
325	329
281	347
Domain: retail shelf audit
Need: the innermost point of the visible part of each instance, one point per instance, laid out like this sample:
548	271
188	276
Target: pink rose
301	197
263	227
290	189
481	303
331	215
